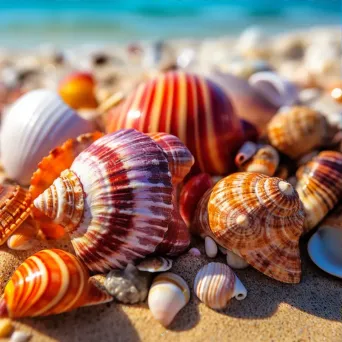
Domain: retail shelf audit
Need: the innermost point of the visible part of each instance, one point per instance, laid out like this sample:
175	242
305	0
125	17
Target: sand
272	311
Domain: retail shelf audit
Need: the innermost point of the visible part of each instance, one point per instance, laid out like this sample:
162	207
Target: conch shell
319	186
47	283
260	218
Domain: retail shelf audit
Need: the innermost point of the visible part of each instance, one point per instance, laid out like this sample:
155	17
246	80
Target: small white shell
20	336
210	247
169	293
235	261
37	122
215	284
155	264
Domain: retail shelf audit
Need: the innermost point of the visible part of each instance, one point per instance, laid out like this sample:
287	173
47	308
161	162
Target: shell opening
240	292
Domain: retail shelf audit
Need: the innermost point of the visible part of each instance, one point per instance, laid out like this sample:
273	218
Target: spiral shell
257	158
320	186
38	122
216	284
190	107
259	218
114	201
47	283
297	131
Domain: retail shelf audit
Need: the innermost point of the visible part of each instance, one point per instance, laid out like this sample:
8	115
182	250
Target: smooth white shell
210	247
37	122
235	261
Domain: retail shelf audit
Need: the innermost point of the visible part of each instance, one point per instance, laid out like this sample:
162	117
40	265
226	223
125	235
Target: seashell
56	280
116	200
6	327
154	264
248	103
298	131
194	252
191	193
46	123
277	90
324	246
235	261
210	247
169	293
319	186
50	167
20	336
194	109
216	284
259	218
257	158
15	208
78	90
128	285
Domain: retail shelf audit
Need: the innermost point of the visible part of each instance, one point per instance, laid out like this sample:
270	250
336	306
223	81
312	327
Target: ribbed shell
320	186
115	200
15	207
38	122
49	282
214	285
297	131
190	107
259	218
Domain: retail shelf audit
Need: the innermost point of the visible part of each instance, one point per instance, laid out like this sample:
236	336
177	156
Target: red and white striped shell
194	109
260	218
319	186
47	283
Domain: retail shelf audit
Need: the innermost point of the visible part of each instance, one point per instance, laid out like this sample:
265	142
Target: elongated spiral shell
320	186
298	131
115	201
194	109
260	218
47	283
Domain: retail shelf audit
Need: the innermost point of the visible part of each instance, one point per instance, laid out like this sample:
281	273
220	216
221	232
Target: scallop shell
259	218
114	201
194	109
154	264
320	186
38	122
216	284
47	283
298	131
169	293
257	158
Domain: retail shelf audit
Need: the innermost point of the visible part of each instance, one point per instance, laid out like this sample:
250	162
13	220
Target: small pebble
194	252
235	261
20	336
210	247
6	327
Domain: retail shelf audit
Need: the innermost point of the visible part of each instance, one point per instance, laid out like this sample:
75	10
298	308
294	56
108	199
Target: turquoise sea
27	23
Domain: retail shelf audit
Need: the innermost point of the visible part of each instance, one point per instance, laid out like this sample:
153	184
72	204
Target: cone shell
298	131
320	186
169	293
114	201
260	218
78	90
36	123
15	207
190	107
49	282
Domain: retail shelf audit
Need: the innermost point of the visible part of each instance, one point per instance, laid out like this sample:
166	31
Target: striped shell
114	201
257	217
298	131
47	283
215	285
15	207
320	186
38	122
190	107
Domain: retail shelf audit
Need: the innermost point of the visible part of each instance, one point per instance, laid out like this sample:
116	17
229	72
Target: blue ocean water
30	22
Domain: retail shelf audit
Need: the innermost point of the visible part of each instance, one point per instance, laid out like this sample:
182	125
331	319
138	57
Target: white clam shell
38	122
210	247
155	264
235	261
215	284
169	293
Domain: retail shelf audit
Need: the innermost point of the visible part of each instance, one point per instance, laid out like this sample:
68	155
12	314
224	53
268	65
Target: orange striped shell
47	283
320	186
15	207
194	109
260	218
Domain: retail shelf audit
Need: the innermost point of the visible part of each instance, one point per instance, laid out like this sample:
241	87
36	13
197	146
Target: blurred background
24	23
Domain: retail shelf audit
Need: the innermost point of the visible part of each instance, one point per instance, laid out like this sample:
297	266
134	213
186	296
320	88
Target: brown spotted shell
260	218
